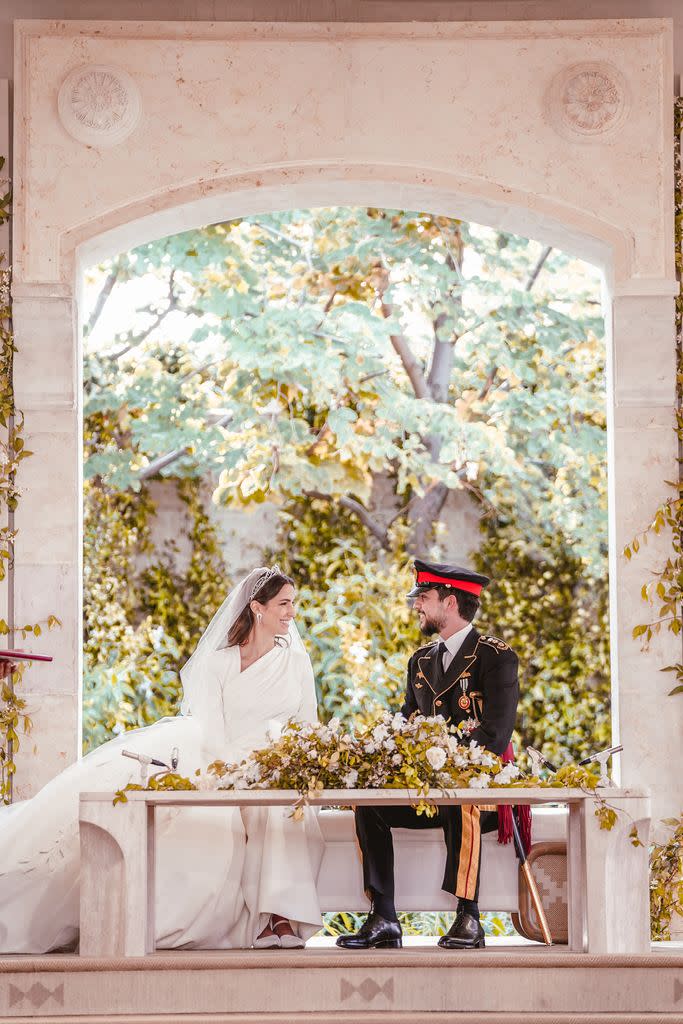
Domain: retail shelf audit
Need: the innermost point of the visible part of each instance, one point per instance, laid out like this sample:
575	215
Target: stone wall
336	11
245	534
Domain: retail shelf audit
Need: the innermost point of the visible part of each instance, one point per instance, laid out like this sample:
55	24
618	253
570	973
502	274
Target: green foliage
555	614
666	880
140	624
353	610
163	782
424	924
182	604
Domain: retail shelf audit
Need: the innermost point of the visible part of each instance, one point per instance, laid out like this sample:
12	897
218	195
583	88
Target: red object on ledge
23	656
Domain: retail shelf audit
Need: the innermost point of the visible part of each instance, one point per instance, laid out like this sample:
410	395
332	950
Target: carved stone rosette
587	100
99	105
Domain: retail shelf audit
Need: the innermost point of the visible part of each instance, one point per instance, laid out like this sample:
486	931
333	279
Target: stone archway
127	132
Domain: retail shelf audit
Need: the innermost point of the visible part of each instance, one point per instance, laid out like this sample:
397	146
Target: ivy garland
14	717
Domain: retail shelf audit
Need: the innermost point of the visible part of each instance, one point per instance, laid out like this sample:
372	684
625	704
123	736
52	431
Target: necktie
441	650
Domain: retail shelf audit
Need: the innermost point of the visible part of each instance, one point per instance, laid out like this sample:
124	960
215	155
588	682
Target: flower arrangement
419	754
394	753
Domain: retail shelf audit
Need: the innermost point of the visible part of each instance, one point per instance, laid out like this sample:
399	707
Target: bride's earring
259	617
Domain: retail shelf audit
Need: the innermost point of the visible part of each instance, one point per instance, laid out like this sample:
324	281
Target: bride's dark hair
244	623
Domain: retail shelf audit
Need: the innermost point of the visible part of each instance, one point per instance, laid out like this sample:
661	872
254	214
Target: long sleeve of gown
308	708
207	708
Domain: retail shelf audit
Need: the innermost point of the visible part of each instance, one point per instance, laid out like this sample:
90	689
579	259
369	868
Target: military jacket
480	684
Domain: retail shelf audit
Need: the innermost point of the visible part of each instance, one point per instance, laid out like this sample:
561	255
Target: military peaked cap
438	574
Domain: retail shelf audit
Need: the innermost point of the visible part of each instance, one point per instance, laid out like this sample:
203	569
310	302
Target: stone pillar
47	579
643	454
4	266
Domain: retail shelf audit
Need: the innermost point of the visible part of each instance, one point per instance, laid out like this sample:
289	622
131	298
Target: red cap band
471	588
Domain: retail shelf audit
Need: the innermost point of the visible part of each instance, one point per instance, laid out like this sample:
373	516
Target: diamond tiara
261	580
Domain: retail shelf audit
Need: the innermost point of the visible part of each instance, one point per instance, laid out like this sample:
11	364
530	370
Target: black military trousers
462	834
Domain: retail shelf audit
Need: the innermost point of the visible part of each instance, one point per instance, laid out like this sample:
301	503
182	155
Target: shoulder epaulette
494	641
423	650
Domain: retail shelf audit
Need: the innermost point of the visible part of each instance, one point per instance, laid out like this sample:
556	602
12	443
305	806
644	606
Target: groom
471	680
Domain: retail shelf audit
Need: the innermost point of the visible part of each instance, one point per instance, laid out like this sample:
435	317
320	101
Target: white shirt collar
455	641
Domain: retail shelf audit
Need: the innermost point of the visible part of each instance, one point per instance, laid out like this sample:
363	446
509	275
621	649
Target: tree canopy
323	349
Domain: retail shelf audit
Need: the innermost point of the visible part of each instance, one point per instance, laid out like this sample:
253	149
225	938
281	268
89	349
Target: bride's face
278	612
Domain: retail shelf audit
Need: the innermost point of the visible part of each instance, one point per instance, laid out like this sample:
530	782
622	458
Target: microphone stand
145	760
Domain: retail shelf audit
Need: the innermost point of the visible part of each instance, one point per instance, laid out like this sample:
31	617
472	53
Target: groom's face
430	612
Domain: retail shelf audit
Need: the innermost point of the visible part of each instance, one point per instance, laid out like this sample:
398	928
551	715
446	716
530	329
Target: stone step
506	984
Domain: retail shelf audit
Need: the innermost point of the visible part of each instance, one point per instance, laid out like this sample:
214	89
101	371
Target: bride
226	877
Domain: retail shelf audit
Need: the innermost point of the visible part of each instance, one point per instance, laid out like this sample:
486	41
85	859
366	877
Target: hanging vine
14	718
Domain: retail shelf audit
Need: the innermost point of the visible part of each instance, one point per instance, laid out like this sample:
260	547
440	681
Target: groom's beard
429	626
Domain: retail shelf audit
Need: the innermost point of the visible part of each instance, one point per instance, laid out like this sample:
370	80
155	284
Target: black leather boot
466	932
374	933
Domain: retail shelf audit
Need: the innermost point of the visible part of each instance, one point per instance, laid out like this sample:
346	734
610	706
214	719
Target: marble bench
608	904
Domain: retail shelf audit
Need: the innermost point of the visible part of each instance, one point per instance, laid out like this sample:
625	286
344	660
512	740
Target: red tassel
524	822
505	815
504	823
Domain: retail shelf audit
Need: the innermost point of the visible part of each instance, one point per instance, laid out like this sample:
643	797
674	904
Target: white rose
207	781
436	757
507	774
479	782
398	722
397	759
334	725
350	779
379	733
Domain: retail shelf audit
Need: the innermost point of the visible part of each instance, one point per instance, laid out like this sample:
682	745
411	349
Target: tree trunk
424	513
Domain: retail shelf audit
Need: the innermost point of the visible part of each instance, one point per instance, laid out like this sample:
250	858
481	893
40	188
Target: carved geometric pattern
588	99
552	889
368	990
99	105
37	995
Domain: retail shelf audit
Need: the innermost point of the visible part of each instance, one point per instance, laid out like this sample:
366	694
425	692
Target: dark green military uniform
479	686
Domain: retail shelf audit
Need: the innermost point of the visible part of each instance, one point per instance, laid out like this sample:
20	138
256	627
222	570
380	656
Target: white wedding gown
220	871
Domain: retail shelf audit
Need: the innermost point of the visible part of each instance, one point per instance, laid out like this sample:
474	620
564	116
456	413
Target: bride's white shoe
270	941
288	940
